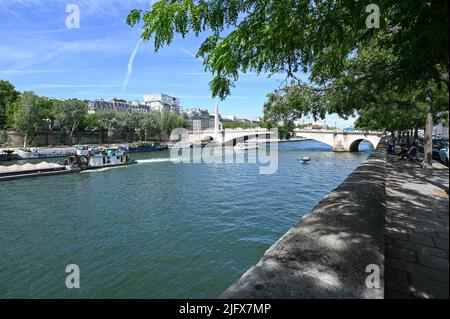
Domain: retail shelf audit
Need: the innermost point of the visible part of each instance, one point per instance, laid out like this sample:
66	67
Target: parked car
443	155
438	144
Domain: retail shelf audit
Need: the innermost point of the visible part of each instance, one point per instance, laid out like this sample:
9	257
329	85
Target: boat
145	147
85	158
181	145
246	146
45	153
7	155
305	159
99	157
11	172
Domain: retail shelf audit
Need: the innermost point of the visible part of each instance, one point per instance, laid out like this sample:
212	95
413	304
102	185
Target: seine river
157	229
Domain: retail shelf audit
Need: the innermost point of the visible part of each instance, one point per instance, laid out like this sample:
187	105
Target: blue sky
38	53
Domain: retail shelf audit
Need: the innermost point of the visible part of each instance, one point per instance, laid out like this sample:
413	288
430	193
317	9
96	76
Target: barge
146	147
85	158
33	170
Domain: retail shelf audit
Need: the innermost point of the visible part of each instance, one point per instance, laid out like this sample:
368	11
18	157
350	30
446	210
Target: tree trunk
25	138
428	146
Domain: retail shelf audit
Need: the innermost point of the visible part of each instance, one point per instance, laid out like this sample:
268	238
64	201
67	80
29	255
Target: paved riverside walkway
416	230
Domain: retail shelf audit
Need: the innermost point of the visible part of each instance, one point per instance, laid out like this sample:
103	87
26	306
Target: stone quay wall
335	251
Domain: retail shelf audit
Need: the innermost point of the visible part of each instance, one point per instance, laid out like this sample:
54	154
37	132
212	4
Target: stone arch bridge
341	141
232	136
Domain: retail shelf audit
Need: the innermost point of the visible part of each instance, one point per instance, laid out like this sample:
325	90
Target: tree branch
301	84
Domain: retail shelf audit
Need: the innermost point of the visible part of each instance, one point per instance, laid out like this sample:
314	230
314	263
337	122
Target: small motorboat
246	146
305	159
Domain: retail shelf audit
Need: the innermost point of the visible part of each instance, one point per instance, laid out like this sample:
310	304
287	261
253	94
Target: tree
243	125
90	121
150	125
170	121
318	38
28	119
161	124
132	120
112	122
69	114
8	95
48	110
257	35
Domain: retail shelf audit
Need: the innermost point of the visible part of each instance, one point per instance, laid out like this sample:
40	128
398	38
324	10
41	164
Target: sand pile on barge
29	167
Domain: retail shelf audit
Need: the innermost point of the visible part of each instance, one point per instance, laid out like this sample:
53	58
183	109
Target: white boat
305	159
246	146
45	153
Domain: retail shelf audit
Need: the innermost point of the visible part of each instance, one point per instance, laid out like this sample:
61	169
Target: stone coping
327	253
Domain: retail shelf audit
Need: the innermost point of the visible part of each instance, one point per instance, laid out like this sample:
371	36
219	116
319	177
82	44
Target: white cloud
24	55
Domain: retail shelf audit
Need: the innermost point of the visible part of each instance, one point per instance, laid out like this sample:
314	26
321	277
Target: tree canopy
70	114
28	120
8	95
30	114
315	37
348	67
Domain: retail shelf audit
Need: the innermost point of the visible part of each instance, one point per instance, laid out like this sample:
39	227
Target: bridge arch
354	145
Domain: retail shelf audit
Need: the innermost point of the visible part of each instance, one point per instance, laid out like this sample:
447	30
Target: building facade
153	102
118	105
161	102
199	119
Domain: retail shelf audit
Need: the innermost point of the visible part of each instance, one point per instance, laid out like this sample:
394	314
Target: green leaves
69	114
8	95
28	118
153	124
351	69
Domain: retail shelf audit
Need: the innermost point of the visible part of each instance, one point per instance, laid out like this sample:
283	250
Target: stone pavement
416	230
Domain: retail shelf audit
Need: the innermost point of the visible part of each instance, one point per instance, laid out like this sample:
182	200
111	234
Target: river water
157	229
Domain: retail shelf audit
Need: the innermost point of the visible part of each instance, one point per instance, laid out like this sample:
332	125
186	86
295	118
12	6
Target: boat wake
157	160
101	169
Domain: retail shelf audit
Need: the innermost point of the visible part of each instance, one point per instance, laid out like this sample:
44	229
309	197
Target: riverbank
387	207
328	253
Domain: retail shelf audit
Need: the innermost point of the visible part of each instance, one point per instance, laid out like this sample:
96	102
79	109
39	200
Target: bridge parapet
256	129
365	133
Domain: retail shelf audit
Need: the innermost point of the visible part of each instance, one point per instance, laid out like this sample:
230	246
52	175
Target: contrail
130	67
